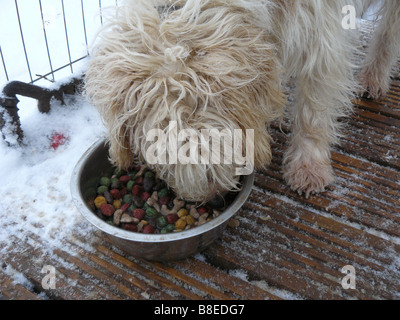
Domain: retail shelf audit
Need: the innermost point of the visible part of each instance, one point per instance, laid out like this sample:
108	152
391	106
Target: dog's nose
215	197
216	202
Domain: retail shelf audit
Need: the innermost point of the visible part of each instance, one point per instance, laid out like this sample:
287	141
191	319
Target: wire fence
46	39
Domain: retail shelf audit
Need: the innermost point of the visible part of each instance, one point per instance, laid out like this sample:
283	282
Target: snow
35	177
20	279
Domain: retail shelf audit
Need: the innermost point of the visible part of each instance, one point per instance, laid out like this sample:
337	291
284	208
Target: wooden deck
285	247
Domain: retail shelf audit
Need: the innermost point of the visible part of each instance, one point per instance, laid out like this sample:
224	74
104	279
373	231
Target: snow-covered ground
35	178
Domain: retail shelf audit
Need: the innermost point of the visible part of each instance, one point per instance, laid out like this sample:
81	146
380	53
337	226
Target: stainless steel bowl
154	247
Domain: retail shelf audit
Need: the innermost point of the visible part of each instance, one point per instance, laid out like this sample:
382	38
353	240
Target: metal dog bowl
154	247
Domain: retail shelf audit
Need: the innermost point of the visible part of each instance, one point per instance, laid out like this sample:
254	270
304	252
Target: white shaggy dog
220	64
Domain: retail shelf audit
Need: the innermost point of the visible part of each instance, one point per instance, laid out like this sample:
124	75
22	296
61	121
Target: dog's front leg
383	52
322	64
307	165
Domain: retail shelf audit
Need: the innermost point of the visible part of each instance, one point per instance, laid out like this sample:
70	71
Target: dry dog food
138	201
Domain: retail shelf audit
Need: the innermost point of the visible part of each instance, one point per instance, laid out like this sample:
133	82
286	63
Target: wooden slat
15	291
239	287
141	285
390	112
163	282
190	281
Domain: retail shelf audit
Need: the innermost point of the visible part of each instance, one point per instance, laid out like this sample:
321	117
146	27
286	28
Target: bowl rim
90	216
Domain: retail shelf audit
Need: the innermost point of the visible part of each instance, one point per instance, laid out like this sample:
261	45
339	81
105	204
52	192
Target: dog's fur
384	50
220	64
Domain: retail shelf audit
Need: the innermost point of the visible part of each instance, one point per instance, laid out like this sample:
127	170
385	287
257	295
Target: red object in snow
57	140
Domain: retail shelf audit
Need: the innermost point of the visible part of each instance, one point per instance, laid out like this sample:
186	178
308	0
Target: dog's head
185	67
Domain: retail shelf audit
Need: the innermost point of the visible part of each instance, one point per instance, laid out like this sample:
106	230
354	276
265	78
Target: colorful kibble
99	201
145	196
126	218
130	185
163	200
151	212
182	212
139	180
115	183
107	209
104	181
125	207
180	224
161	222
138	201
164	230
149	174
168	229
163	193
115	193
202	210
148	229
172	218
117	217
57	140
123	191
139	213
117	204
190	220
108	197
102	189
127	198
131	227
125	179
137	190
119	172
194	213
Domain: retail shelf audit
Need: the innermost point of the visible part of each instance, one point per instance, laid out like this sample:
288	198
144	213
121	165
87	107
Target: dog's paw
308	177
373	86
